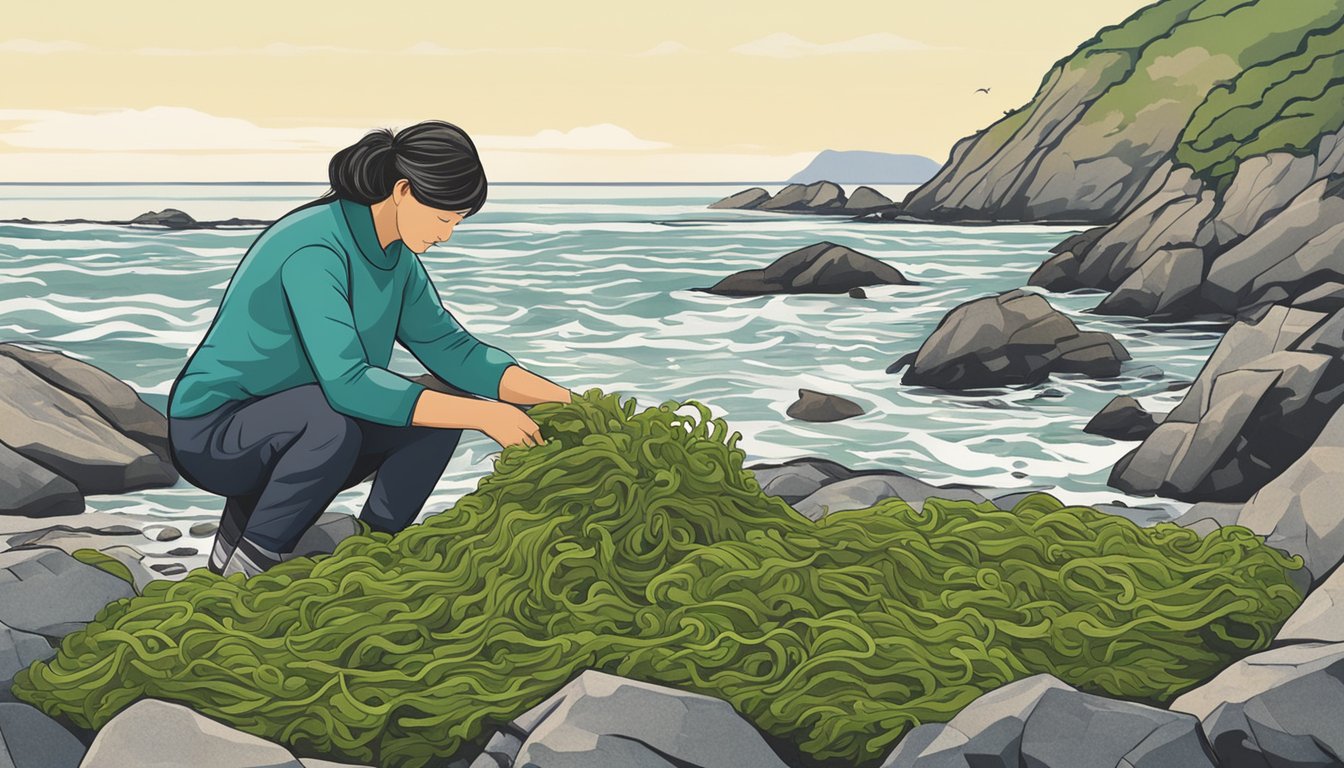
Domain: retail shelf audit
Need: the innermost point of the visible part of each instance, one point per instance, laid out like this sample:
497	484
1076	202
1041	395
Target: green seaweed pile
637	544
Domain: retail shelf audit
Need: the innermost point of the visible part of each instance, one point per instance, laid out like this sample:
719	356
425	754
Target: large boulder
58	430
823	267
152	732
1010	339
1040	722
30	739
32	490
1276	708
1258	404
109	396
45	591
18	649
599	720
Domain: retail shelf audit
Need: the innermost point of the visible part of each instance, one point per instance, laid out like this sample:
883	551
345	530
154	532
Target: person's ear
400	190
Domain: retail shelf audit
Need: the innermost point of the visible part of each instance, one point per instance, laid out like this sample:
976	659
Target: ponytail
438	158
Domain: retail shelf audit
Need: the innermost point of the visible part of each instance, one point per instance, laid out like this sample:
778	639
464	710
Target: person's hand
508	425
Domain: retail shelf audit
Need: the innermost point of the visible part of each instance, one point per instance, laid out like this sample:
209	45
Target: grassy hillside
637	544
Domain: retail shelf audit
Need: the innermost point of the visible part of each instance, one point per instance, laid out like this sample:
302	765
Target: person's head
430	172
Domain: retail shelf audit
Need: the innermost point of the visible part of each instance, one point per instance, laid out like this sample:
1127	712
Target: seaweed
636	543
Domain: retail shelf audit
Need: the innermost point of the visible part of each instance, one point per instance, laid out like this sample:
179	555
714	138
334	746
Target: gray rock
821	195
47	592
1258	404
819	268
1079	730
812	405
325	535
169	569
134	560
168	533
747	198
206	528
73	440
1122	419
604	721
1013	338
30	739
168	217
32	490
1276	708
1320	618
857	293
866	198
109	396
152	729
1163	286
796	479
18	649
865	489
986	734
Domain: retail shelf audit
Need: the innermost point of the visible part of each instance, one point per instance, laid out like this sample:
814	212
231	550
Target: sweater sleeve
442	345
314	282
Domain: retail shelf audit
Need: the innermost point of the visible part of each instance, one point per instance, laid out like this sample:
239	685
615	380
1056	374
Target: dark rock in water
168	533
819	268
902	361
31	739
169	569
806	197
168	217
747	198
599	719
1276	708
1122	419
1259	403
41	535
812	405
797	479
857	293
47	592
866	199
183	551
203	528
1050	393
32	490
1012	338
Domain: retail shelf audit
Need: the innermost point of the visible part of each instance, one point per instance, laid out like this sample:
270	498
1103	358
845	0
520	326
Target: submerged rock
1010	339
1123	419
812	405
823	267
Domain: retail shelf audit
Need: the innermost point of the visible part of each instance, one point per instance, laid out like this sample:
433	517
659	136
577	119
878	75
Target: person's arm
523	387
314	282
443	346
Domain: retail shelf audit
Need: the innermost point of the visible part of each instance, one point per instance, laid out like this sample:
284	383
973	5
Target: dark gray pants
280	460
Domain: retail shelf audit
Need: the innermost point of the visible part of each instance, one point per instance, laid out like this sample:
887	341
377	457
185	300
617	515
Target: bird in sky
982	90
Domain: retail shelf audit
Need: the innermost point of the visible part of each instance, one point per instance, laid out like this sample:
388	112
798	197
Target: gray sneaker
250	559
219	555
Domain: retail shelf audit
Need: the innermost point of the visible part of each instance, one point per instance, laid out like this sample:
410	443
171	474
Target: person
287	400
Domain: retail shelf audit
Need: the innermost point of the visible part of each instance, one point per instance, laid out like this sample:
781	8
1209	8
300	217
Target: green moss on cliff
637	544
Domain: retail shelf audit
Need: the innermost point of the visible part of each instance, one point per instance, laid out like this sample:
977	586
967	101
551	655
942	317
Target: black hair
438	158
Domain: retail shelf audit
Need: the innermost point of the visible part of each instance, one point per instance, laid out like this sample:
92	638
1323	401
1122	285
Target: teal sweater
288	318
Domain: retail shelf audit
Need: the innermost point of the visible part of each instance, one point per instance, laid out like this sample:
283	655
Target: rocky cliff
1191	87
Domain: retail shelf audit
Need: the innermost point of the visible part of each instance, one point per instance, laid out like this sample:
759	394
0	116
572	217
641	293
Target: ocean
590	285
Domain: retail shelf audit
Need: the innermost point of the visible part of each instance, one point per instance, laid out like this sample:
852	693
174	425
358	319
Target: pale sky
582	91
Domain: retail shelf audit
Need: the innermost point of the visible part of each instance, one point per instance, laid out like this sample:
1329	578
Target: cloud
158	129
785	45
666	48
271	49
181	129
604	136
434	49
22	45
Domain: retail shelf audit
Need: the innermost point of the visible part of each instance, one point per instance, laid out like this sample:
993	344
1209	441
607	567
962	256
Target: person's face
419	225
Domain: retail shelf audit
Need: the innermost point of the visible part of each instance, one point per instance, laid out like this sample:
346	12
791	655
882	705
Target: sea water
591	286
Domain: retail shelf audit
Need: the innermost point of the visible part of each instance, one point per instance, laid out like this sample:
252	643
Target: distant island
861	167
